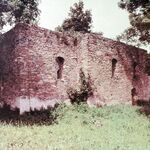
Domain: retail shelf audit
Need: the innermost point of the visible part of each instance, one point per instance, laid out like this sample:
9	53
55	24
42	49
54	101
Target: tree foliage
79	20
139	16
15	11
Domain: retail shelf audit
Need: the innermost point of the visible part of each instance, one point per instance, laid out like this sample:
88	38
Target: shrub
85	89
34	117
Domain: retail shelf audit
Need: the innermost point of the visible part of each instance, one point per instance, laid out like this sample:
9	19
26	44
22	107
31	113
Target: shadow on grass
145	110
145	107
36	117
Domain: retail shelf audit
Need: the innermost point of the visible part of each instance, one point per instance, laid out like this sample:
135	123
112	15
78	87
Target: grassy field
82	128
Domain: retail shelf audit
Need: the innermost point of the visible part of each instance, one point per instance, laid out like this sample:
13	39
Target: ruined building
38	66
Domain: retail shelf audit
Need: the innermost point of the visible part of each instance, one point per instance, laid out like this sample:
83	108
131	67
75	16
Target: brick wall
32	76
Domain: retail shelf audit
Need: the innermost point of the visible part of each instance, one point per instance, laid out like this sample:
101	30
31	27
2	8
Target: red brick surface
28	67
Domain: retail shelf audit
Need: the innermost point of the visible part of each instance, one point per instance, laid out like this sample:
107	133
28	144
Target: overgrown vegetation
84	90
78	20
80	127
139	16
16	11
34	117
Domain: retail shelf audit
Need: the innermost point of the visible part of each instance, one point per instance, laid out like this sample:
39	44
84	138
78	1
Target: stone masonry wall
38	66
117	87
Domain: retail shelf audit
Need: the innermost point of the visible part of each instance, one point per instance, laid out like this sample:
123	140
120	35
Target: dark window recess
75	42
134	70
114	63
133	92
60	62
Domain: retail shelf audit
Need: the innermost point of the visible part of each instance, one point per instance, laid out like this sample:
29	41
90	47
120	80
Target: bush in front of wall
85	90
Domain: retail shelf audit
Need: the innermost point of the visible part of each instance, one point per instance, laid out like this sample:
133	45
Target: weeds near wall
85	90
34	117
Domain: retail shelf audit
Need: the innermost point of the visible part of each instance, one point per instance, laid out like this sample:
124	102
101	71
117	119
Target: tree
79	20
16	11
139	16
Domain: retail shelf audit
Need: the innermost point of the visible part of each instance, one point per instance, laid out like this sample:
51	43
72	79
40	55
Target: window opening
114	62
60	62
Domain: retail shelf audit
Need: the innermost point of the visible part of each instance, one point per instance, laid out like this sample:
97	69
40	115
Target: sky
107	16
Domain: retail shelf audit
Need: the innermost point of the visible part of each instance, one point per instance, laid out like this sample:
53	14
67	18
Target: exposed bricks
28	67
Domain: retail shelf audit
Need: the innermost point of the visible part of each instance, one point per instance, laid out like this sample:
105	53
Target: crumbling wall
32	75
38	66
9	71
107	71
117	69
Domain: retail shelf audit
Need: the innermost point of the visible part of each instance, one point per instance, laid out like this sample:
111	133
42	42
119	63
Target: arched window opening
60	62
75	42
114	62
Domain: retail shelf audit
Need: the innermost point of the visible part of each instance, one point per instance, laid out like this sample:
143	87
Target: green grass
82	128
